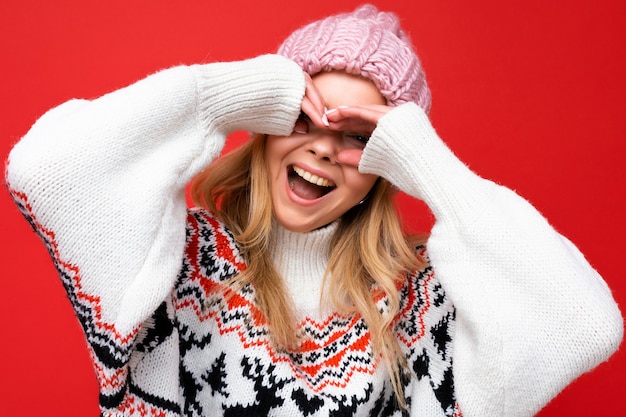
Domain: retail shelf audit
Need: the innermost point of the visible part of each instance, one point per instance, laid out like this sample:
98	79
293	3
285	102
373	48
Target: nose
325	145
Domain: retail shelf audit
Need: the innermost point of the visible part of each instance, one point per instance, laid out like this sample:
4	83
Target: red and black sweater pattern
219	353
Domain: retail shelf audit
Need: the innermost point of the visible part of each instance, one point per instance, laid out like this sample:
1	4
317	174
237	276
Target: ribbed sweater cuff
261	95
406	150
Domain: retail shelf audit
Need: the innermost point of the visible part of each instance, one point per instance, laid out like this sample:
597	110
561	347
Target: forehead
340	88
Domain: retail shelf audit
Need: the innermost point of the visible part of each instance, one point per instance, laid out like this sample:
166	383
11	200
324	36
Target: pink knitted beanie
365	42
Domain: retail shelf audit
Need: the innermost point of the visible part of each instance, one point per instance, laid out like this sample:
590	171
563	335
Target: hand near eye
313	104
357	119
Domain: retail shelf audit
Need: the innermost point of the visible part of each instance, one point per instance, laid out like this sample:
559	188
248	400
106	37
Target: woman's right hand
313	104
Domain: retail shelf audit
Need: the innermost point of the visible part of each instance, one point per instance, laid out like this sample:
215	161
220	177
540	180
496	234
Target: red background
528	93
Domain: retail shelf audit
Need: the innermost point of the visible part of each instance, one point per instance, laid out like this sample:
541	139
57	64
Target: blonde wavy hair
369	248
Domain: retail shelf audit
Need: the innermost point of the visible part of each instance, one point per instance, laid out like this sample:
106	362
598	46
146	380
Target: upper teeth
312	178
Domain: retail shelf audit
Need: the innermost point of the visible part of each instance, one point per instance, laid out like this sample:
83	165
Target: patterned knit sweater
506	313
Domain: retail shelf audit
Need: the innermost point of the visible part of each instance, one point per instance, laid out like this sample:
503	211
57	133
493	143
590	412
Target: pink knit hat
365	42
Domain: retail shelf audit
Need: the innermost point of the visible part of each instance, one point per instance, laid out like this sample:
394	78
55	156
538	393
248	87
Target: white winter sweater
507	313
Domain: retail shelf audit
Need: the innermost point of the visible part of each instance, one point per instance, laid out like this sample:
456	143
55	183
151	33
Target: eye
361	138
302	124
303	116
357	136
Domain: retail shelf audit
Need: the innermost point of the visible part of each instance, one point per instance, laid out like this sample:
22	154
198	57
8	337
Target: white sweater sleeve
531	313
105	180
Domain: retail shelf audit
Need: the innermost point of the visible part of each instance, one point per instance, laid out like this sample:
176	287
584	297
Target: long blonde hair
369	248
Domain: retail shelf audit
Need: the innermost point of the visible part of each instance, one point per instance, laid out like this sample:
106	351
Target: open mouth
307	185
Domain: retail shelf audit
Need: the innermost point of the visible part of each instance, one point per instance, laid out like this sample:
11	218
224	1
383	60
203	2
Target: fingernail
325	120
330	111
301	131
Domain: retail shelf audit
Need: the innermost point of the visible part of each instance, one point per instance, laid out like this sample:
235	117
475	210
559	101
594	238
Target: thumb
350	157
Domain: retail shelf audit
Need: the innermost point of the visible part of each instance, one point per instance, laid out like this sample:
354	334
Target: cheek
278	147
361	184
274	153
271	150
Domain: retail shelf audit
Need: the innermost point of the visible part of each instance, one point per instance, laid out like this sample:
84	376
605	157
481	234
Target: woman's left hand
357	119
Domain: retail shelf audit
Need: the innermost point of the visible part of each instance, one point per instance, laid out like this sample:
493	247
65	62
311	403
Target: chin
299	227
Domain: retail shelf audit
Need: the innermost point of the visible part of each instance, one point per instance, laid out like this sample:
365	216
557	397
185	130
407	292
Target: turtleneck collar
301	259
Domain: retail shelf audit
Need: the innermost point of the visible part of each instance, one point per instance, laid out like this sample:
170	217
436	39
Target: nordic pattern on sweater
221	353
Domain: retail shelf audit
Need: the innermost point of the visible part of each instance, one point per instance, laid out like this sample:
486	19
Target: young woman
292	290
